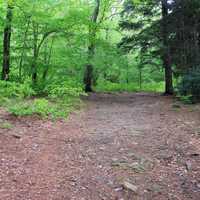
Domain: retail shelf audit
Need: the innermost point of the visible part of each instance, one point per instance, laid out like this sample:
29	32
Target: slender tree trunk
23	49
166	51
140	77
6	44
47	60
35	53
37	45
91	49
127	74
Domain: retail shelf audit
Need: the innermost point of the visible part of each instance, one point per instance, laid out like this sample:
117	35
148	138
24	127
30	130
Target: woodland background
53	51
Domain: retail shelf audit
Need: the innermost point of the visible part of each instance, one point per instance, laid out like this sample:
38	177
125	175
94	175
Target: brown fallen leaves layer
120	147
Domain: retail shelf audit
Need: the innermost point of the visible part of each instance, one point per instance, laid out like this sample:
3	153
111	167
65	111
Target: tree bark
35	53
88	76
47	60
37	45
6	44
23	49
140	78
166	51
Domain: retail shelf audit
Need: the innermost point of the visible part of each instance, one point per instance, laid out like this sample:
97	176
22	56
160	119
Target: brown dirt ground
91	155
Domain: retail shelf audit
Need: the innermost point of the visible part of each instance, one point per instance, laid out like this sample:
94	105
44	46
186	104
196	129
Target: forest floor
118	147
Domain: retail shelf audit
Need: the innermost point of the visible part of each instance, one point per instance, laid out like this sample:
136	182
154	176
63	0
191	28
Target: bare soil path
120	147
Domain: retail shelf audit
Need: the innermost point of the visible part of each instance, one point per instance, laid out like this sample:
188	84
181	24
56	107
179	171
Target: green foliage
154	86
189	86
130	87
15	90
51	38
116	87
25	108
40	107
187	99
61	99
6	125
64	91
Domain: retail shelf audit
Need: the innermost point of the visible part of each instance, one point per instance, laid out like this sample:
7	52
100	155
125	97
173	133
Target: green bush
60	100
64	94
15	90
187	99
189	86
37	106
41	107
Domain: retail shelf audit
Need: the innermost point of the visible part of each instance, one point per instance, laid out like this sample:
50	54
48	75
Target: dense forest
55	50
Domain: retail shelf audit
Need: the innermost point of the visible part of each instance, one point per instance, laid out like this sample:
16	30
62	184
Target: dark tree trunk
6	45
35	53
34	67
88	76
168	77
166	51
140	78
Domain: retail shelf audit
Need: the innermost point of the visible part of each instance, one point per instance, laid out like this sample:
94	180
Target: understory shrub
64	91
40	107
130	87
36	106
189	86
59	101
16	90
188	99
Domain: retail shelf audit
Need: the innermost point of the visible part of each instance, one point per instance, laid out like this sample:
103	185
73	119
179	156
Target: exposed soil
145	140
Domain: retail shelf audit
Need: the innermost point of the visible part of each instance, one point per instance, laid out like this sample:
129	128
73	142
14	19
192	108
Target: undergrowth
54	101
130	87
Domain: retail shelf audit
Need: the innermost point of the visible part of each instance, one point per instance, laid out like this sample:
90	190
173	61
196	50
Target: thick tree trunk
6	45
168	77
166	51
88	76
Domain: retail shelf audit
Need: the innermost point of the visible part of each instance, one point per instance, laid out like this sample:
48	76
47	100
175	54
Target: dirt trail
142	139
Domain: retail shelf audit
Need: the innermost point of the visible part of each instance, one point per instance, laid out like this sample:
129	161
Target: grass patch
58	100
6	125
42	107
132	87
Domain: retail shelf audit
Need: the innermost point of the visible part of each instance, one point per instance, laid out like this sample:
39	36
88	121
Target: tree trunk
23	49
47	59
6	44
91	49
88	78
140	78
35	53
166	51
34	66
